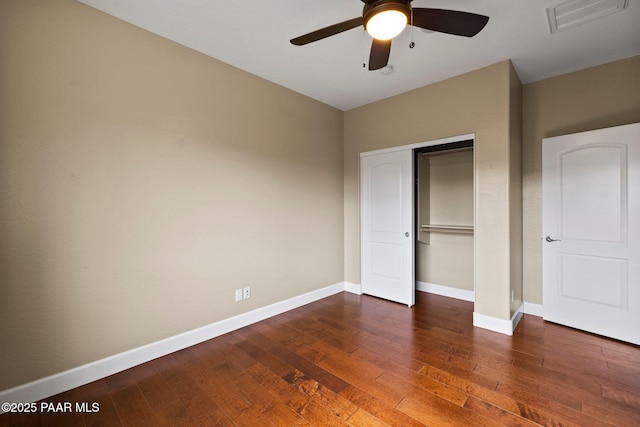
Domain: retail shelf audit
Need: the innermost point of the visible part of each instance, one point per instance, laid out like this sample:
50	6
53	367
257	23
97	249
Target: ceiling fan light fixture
387	24
384	21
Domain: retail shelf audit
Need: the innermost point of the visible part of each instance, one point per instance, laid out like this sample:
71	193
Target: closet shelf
459	229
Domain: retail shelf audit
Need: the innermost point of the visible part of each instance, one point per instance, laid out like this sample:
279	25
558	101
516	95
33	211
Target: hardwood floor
358	360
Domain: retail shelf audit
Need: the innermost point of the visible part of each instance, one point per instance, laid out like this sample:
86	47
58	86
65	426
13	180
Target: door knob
406	234
550	239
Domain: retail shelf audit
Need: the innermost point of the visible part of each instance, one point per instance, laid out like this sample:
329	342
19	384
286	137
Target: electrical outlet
238	295
513	296
247	292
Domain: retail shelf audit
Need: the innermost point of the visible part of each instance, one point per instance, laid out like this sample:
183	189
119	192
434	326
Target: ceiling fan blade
327	32
379	57
449	21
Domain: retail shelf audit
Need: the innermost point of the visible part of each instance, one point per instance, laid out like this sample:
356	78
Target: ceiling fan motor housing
372	9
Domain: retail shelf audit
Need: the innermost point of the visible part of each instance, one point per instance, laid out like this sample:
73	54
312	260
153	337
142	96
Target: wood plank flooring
361	361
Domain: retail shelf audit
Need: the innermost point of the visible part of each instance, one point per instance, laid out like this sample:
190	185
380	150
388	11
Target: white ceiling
254	35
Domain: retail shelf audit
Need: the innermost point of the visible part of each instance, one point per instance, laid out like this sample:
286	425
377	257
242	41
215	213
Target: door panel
591	230
387	225
581	278
386	197
593	179
386	260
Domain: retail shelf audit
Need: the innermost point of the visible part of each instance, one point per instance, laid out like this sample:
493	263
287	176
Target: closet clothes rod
459	229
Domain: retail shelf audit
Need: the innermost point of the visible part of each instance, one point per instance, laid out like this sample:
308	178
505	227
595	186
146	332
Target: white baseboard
446	291
517	316
353	288
533	309
498	325
67	380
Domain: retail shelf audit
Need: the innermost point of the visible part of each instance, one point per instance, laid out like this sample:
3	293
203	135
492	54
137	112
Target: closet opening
444	219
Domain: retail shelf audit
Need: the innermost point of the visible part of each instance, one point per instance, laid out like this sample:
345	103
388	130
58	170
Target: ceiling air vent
572	13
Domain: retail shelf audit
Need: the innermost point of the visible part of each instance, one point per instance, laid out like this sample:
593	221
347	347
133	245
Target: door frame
441	141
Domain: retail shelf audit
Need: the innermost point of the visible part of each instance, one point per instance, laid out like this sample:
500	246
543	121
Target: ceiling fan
385	19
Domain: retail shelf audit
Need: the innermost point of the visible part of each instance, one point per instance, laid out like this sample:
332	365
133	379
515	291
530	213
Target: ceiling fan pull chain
412	44
364	49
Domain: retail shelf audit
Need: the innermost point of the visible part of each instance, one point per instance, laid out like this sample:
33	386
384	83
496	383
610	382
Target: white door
591	231
387	263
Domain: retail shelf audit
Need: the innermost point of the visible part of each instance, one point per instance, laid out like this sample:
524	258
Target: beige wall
142	183
599	97
477	102
446	198
515	189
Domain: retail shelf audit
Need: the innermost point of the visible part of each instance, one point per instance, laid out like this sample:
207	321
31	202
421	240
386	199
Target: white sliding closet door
387	265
